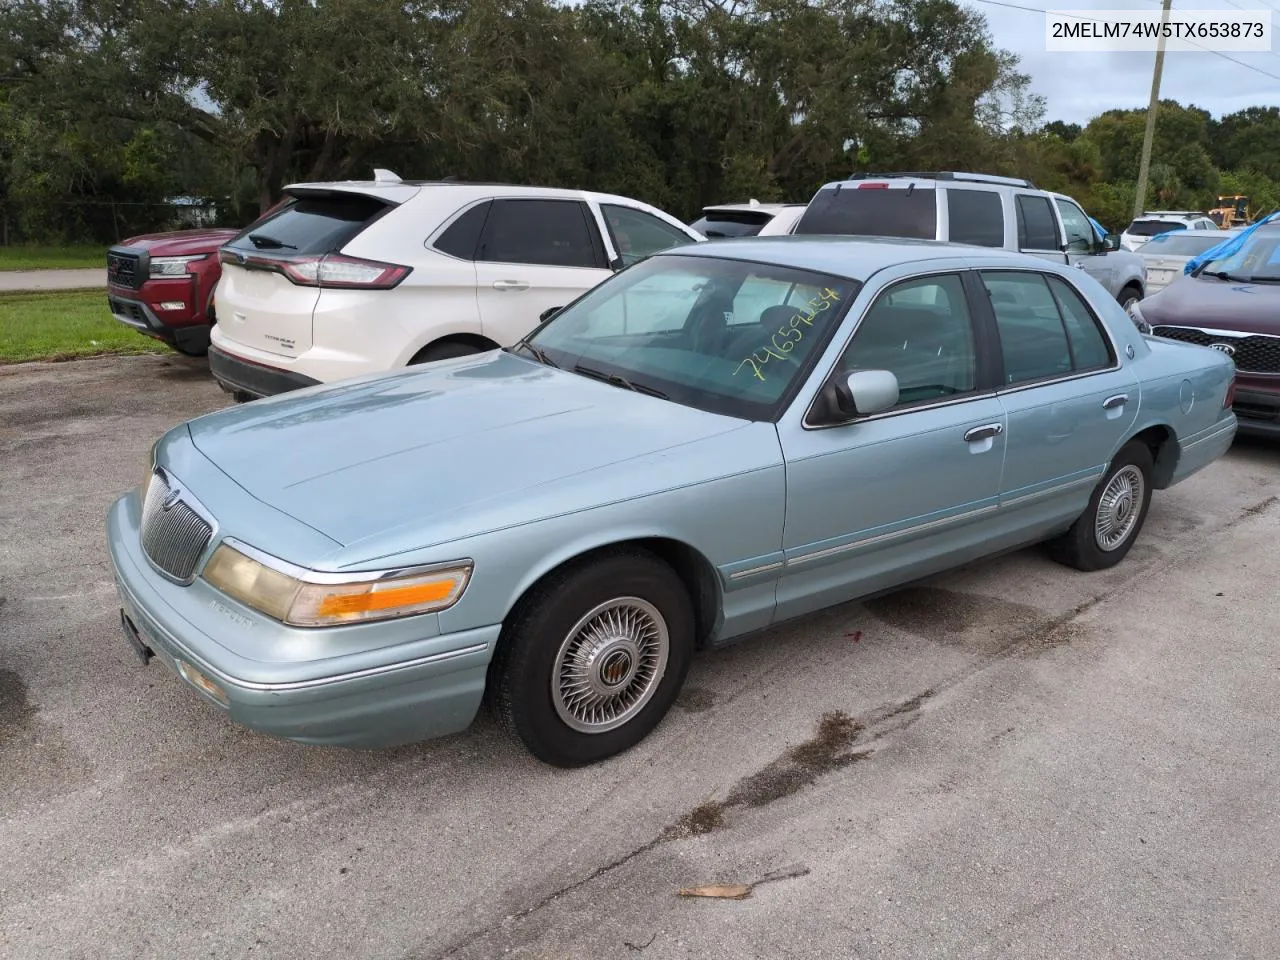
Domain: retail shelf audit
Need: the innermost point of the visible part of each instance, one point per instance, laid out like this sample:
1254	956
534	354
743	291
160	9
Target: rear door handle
1119	400
510	285
984	432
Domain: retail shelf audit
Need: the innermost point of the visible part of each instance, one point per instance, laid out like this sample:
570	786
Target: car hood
181	242
430	444
1216	305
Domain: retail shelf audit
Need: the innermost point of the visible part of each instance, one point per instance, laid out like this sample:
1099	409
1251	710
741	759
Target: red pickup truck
161	284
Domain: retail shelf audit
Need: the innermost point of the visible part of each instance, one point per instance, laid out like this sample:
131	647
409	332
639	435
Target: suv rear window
864	211
1149	228
731	223
312	224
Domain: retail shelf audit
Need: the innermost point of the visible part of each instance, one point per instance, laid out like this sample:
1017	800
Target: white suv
978	209
354	278
1155	222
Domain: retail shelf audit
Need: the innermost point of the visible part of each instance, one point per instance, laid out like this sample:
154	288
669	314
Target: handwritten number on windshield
788	335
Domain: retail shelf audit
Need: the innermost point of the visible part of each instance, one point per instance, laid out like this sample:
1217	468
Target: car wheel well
1133	285
473	340
1163	444
694	570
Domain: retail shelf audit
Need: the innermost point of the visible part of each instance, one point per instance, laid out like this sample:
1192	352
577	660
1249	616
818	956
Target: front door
1068	397
886	498
1083	244
532	256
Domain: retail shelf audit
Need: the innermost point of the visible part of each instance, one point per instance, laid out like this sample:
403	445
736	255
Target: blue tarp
1228	248
1102	231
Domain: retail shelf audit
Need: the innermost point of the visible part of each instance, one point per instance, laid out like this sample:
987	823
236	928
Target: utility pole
1144	167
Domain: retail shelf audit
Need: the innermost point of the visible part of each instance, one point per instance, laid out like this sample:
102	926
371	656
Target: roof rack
947	175
1174	213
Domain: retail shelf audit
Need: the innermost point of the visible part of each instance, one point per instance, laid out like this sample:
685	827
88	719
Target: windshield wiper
263	242
1223	275
617	381
538	354
1258	278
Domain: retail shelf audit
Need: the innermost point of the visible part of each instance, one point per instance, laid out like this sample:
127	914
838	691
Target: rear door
258	305
534	254
1038	232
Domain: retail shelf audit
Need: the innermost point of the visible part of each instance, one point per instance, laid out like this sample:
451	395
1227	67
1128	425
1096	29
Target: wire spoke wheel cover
1119	508
610	665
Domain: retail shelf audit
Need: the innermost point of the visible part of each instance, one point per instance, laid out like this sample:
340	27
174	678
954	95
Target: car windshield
724	335
1186	243
1149	228
1258	260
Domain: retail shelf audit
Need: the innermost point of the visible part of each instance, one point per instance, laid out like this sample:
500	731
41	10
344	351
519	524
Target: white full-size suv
359	277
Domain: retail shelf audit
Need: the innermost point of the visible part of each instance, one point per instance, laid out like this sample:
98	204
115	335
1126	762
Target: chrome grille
1253	354
173	535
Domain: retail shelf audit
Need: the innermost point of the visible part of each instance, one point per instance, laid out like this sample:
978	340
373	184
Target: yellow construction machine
1231	212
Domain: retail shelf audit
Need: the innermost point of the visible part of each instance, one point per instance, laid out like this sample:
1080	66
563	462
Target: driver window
637	234
921	331
1080	235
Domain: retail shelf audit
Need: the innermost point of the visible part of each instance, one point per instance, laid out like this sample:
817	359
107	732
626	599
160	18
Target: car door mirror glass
1111	242
864	392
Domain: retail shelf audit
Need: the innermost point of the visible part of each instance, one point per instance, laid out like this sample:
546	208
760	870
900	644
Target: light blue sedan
716	439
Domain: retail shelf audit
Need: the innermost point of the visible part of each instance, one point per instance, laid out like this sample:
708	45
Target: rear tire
1109	526
1128	297
444	351
591	661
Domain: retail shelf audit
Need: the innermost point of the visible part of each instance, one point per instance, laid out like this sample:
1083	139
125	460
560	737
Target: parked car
363	277
784	221
1232	304
1165	254
162	284
1156	222
979	209
738	219
557	526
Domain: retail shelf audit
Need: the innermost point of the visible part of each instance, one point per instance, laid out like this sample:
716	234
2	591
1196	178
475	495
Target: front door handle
1119	400
510	285
984	432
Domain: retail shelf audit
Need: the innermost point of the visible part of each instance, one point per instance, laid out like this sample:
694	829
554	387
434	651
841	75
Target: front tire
591	661
1106	531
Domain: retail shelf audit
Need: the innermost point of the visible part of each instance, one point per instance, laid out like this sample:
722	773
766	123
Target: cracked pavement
1012	760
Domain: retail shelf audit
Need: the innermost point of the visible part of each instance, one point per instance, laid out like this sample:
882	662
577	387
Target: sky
1078	86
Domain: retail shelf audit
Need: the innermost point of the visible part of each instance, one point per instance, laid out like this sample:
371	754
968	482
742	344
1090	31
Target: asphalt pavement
1014	760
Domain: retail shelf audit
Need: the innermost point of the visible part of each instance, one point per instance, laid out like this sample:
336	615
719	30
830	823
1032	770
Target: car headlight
302	598
173	266
1135	314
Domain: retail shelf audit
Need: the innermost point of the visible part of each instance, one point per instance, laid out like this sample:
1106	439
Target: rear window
1186	244
311	225
868	211
731	223
1150	228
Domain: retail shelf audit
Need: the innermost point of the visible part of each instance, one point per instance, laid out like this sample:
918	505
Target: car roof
401	190
839	256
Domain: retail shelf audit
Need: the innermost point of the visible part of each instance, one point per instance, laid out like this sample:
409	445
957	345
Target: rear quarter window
975	216
859	210
312	224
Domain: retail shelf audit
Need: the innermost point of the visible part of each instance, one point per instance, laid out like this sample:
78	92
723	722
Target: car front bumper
390	703
1258	412
179	330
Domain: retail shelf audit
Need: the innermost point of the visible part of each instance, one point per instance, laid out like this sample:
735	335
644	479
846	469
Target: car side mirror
548	313
1111	242
864	392
616	264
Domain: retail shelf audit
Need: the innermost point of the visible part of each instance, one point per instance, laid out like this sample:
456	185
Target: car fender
437	331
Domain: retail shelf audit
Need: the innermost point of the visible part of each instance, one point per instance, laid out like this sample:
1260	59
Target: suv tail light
1231	393
873	186
336	270
328	271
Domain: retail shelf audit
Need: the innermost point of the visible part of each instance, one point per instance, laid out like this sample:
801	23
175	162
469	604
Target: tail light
1231	393
873	186
328	271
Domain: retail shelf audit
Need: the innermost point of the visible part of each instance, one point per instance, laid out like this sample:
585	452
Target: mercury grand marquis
714	440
